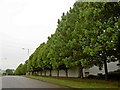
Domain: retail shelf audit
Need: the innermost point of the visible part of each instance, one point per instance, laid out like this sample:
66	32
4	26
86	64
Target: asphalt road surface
23	82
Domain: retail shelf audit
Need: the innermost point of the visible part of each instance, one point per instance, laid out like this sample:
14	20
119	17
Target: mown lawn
78	83
0	75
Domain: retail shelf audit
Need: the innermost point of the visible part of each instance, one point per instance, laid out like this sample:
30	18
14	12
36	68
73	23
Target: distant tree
21	69
10	71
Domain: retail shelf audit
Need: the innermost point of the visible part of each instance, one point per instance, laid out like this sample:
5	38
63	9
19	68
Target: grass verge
0	75
77	83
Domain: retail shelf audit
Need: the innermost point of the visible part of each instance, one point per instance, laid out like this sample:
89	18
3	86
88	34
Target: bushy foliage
87	35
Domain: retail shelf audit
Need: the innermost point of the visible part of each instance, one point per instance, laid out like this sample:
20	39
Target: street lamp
28	58
27	49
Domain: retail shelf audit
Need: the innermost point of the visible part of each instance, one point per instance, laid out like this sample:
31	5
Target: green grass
0	75
77	83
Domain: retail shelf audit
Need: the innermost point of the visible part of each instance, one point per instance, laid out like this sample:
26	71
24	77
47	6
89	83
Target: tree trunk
40	73
32	73
45	73
58	73
80	72
106	69
66	70
50	72
37	73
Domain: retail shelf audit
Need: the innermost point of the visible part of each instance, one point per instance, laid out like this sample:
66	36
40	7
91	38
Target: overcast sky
26	24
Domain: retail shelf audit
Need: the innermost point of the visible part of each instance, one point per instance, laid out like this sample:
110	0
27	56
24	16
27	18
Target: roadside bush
114	75
111	76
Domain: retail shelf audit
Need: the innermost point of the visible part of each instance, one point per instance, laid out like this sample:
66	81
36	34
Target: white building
74	71
112	66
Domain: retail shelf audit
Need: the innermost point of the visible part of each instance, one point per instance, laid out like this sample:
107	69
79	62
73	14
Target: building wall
39	73
93	71
112	66
62	73
74	71
43	73
48	73
54	72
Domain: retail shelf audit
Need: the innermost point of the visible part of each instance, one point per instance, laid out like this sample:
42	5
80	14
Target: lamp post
27	50
27	72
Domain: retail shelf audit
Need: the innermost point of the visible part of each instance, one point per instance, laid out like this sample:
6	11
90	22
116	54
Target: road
23	82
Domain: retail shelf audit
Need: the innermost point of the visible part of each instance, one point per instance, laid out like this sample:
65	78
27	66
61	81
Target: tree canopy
88	34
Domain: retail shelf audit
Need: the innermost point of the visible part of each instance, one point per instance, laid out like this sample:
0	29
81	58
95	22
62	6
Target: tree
10	71
88	34
21	69
99	33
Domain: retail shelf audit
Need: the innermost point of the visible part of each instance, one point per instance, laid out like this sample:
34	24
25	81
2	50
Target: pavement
23	82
